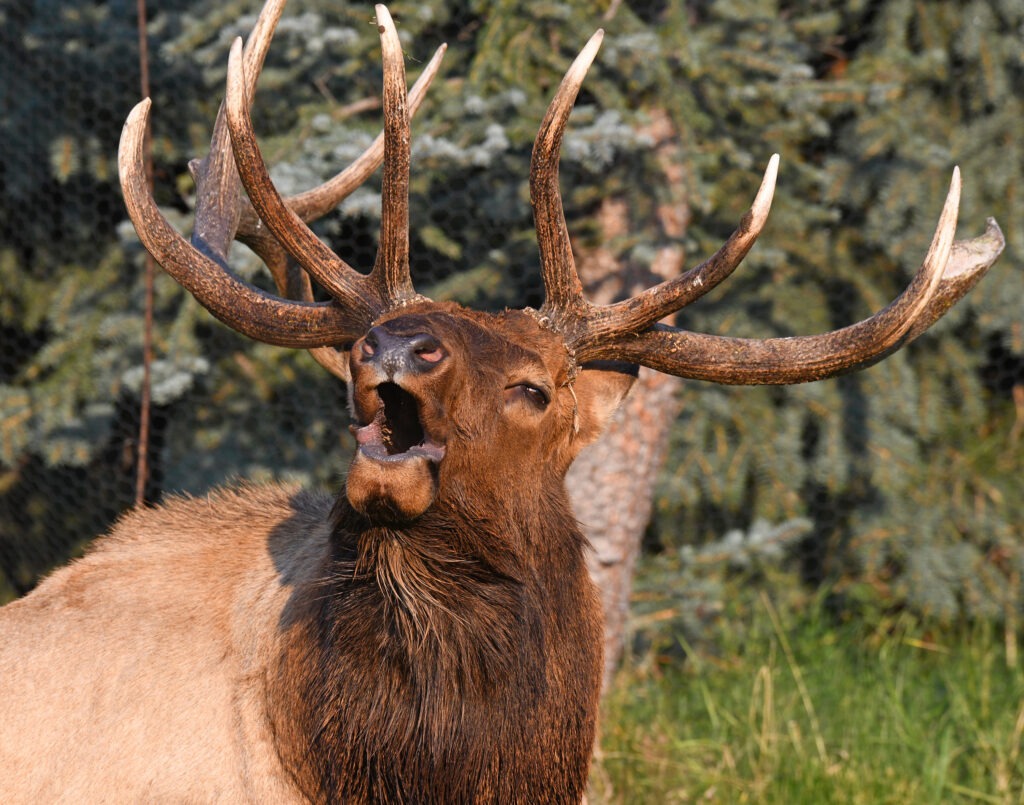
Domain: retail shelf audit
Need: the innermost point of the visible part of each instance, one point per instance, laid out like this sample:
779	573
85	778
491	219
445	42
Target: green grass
798	709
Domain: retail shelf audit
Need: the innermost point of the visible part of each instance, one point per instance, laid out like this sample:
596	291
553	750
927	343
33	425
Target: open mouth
396	432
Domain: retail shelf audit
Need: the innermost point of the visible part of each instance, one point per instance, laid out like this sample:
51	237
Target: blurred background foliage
895	489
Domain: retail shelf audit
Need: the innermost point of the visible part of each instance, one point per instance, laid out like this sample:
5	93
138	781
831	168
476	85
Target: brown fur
270	645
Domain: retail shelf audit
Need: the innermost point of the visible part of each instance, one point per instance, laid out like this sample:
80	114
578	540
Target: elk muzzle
393	476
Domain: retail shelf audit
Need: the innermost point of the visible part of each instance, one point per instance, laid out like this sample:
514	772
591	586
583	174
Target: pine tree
908	472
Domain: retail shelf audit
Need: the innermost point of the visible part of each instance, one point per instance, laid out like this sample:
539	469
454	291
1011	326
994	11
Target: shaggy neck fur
422	667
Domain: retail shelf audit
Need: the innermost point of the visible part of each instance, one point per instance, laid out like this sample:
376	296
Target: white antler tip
763	201
582	62
383	17
235	51
132	136
235	96
140	110
953	196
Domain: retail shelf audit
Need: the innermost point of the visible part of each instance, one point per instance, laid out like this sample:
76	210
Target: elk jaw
393	476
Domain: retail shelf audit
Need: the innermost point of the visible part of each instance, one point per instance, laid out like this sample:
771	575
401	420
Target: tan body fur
154	647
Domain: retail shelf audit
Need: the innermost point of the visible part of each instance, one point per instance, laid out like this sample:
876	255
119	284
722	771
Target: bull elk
431	635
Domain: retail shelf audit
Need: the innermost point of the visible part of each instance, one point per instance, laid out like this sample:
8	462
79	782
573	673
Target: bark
611	484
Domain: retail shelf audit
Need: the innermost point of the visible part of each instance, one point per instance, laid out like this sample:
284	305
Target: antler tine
293	283
291	280
258	45
218	194
391	268
641	311
236	303
948	271
312	204
563	292
339	279
968	262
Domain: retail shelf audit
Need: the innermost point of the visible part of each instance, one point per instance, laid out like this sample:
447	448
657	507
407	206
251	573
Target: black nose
397	353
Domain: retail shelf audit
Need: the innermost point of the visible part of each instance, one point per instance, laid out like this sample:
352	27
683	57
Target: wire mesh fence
906	477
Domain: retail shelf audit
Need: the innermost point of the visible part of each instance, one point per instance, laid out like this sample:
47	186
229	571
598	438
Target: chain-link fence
901	483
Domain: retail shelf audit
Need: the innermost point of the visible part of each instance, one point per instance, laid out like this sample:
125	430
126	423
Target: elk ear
600	387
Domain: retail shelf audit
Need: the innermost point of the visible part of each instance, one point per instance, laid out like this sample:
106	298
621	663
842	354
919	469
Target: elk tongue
375	442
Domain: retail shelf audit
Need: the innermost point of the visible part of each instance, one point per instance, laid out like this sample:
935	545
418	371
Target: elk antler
231	299
389	284
629	331
220	214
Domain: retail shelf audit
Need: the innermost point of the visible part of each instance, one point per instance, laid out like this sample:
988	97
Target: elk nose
394	353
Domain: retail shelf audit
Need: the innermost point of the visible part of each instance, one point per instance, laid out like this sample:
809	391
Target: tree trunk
611	483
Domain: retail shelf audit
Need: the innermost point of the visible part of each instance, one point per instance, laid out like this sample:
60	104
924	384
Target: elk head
447	400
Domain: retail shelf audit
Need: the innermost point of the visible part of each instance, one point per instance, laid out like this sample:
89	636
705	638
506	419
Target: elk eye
536	397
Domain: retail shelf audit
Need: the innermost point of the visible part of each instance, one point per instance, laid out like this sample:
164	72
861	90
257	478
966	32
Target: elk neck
443	643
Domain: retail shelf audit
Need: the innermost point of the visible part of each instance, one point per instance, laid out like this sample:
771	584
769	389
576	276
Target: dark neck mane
422	666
